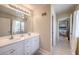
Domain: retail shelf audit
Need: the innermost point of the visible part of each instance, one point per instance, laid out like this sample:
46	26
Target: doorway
62	46
64	28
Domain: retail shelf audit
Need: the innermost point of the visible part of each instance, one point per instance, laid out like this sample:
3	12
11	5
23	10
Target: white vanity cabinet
26	46
31	45
13	49
35	44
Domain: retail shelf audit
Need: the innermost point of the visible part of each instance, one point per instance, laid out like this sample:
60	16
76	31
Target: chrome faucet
11	29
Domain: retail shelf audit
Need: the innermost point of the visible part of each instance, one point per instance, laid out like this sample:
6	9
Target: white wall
73	39
75	32
77	23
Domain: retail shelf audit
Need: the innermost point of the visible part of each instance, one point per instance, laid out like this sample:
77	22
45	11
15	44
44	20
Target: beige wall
42	26
73	40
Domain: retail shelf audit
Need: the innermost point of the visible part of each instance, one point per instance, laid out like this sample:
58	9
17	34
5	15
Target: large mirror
11	26
13	22
19	26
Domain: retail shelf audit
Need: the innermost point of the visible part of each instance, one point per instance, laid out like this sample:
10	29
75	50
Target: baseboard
44	52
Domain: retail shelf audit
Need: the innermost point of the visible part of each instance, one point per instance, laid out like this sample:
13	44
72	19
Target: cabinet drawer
9	52
13	49
31	45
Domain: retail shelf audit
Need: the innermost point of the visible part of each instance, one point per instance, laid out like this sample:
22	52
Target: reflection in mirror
18	26
4	26
22	27
13	22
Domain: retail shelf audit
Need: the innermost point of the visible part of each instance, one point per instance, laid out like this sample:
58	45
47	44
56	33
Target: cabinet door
28	47
35	44
31	45
20	48
13	49
9	52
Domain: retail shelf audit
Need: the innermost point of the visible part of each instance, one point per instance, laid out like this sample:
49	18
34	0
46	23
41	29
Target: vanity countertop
6	39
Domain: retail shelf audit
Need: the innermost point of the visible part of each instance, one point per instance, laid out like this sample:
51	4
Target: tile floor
62	47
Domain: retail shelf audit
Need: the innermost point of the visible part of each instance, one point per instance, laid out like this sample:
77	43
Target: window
22	27
16	26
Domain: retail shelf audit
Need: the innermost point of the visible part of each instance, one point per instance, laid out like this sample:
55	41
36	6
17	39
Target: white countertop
6	39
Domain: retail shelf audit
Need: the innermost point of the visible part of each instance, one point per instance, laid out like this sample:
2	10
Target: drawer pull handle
12	51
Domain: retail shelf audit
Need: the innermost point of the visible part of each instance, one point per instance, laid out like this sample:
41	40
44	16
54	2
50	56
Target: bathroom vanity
25	45
14	28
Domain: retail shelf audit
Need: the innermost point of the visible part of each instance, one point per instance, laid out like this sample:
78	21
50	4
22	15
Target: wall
42	25
77	23
73	38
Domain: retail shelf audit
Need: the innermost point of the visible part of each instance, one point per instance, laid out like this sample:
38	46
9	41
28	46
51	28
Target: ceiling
63	8
59	8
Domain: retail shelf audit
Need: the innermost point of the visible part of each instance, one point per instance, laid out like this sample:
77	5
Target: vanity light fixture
19	9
